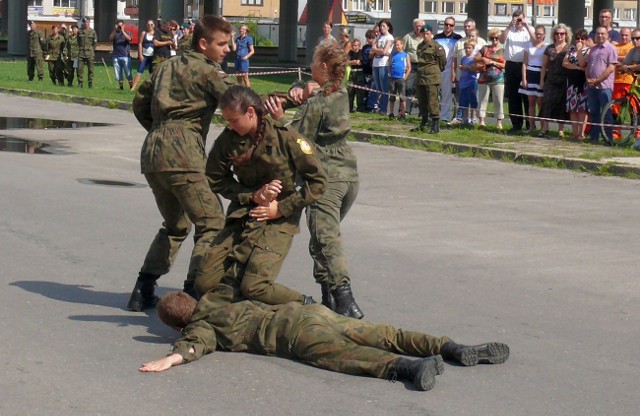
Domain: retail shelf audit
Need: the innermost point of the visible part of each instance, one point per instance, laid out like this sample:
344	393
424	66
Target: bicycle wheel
625	119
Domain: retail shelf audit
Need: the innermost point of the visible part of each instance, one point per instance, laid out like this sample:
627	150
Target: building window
616	14
501	9
431	7
448	7
34	3
462	6
629	14
377	5
586	12
65	3
252	2
515	7
345	5
547	11
359	5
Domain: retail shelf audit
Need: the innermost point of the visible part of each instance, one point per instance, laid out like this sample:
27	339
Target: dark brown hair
175	309
206	27
239	98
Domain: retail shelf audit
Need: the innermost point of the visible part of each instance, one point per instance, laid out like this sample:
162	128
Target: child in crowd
367	69
399	70
468	83
356	78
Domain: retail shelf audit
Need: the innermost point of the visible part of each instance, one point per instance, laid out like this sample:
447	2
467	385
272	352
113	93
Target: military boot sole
430	367
490	353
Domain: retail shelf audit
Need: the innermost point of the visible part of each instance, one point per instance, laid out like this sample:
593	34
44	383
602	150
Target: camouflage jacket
184	45
55	47
176	105
282	154
223	320
72	49
324	120
432	60
37	43
87	41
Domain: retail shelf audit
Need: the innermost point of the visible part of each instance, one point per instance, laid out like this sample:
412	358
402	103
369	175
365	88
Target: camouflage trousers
33	64
325	245
70	71
183	199
428	101
334	342
90	64
56	71
252	253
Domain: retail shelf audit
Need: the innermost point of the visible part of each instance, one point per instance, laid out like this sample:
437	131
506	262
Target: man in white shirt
411	42
515	37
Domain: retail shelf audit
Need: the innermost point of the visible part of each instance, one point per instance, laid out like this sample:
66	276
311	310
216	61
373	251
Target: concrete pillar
106	14
318	13
4	27
288	31
212	7
569	15
173	9
147	10
597	6
479	11
17	28
402	15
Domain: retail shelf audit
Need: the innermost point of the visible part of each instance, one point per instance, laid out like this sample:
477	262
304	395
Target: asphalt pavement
544	260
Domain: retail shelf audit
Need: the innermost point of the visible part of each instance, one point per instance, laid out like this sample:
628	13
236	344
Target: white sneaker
455	122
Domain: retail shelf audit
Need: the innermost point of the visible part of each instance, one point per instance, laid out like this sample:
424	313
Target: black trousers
517	102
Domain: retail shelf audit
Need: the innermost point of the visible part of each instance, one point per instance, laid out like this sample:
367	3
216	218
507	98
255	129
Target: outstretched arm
162	364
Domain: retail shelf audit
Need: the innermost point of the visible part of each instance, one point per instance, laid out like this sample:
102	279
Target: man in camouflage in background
72	49
87	41
37	45
55	53
312	334
176	105
184	44
432	60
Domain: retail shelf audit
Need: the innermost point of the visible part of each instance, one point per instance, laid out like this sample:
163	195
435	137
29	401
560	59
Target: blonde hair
494	33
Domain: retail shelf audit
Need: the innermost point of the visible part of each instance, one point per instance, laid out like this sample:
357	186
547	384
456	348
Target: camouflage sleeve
142	104
442	58
220	175
309	168
199	336
308	119
219	84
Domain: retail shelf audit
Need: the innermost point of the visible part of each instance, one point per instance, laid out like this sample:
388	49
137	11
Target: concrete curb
613	168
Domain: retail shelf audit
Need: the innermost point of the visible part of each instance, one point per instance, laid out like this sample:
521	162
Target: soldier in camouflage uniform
176	105
87	41
432	60
258	166
184	44
324	120
72	50
312	334
55	52
37	46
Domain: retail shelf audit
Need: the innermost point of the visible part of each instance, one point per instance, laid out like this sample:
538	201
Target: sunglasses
495	38
560	33
636	38
449	24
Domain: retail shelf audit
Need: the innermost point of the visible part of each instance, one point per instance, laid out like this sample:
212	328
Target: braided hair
239	98
335	58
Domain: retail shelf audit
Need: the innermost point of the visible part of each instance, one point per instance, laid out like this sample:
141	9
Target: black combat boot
345	303
90	84
422	373
308	300
121	85
143	296
80	84
468	355
327	297
435	126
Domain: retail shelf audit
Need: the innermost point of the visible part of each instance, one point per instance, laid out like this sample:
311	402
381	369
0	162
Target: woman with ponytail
324	120
254	164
